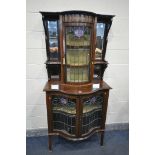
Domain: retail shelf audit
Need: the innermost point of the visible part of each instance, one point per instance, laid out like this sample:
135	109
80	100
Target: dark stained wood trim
78	116
76	12
105	106
73	138
49	109
103	86
61	45
49	119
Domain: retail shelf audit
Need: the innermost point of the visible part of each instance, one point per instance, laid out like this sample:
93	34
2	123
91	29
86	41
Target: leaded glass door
91	113
64	110
77	53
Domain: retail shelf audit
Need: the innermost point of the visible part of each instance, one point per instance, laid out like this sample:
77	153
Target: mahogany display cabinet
76	95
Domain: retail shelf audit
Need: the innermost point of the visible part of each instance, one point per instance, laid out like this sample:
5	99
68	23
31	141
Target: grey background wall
116	74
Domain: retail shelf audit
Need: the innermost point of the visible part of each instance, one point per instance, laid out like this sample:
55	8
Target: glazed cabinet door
92	111
77	52
64	114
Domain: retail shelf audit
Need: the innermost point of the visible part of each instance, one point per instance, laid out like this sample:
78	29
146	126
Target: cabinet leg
101	140
50	142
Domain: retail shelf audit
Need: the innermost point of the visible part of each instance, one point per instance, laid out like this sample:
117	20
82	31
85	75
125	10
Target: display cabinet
76	95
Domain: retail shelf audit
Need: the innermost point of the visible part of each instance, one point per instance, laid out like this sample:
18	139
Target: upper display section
77	52
76	42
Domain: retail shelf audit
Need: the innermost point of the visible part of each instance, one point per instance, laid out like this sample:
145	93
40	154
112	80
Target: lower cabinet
76	117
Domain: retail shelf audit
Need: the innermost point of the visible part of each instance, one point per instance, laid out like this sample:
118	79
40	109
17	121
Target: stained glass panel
77	53
64	114
64	104
92	113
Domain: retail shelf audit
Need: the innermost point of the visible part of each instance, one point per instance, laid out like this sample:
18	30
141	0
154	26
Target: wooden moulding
74	137
77	18
79	88
76	89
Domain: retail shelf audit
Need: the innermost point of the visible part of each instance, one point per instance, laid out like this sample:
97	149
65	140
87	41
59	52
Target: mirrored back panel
53	40
100	28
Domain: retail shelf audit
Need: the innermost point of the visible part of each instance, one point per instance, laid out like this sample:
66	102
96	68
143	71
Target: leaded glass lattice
64	114
77	52
64	121
92	113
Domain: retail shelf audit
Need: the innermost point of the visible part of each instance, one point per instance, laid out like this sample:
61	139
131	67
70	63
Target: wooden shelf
53	37
77	46
49	62
76	90
100	62
77	65
81	49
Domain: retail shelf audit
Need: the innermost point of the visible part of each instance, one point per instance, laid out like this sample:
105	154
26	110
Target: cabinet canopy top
76	12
